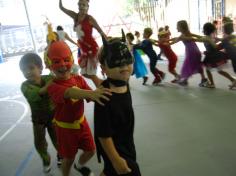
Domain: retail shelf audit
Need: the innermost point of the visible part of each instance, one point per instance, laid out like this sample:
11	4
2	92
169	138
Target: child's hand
121	166
49	82
43	90
100	93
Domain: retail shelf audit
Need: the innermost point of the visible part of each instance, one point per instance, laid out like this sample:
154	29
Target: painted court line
18	121
24	163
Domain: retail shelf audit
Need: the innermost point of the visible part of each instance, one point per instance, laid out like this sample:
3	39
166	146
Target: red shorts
70	140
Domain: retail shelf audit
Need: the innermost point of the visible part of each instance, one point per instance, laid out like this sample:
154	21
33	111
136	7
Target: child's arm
199	38
192	37
43	90
119	163
94	95
196	35
142	45
69	39
97	27
173	40
138	46
155	42
31	92
70	13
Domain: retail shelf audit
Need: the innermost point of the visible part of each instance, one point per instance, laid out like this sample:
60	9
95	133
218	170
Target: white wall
195	12
230	8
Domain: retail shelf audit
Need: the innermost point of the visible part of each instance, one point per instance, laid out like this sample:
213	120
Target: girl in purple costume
192	63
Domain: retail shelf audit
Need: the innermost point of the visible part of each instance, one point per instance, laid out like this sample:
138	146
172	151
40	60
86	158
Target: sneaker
145	78
47	168
47	164
183	82
85	171
203	83
160	59
176	80
156	81
59	160
209	85
232	85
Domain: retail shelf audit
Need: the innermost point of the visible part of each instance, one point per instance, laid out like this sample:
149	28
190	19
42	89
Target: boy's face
31	72
146	35
118	61
117	54
118	73
129	39
61	60
62	71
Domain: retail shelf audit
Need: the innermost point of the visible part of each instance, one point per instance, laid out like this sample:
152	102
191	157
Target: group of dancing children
57	100
218	52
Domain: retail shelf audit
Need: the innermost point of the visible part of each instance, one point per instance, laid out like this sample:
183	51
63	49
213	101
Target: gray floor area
178	131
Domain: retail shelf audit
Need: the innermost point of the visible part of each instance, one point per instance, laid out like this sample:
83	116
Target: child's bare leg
202	75
85	156
227	75
66	166
176	75
210	77
204	81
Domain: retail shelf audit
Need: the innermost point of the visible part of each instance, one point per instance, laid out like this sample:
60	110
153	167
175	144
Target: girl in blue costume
140	69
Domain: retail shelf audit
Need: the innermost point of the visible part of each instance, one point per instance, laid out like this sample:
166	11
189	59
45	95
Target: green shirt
40	105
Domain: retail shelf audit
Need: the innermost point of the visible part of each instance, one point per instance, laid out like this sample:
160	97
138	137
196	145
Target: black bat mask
116	52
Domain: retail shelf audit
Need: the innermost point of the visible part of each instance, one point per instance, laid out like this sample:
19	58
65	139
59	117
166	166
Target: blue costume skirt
140	69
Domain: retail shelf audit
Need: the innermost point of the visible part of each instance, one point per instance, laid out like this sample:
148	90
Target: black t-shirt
115	120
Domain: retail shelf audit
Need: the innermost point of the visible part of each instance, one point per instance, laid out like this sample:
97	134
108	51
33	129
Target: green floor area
178	131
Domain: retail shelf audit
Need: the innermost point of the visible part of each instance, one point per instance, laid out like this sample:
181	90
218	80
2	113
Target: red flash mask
59	55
